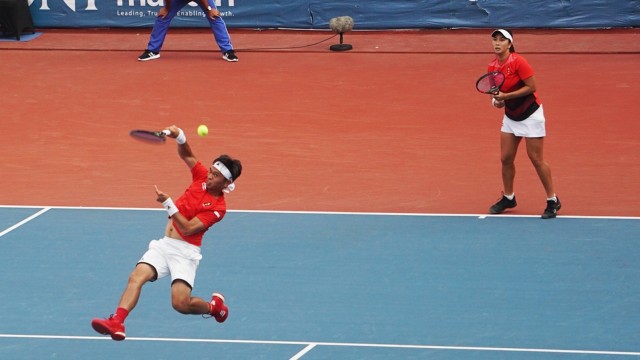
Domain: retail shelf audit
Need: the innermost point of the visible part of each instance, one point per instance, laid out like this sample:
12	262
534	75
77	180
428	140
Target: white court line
275	342
481	216
24	221
303	351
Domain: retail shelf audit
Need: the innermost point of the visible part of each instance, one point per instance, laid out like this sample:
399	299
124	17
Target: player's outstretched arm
184	150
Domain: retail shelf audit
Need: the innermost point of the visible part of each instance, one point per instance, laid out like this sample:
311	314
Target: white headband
223	170
227	175
504	33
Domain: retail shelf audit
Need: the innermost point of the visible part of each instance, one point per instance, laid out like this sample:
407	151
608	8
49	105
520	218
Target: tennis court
321	285
358	227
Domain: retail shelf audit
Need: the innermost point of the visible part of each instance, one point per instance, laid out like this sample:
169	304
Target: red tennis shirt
516	69
197	202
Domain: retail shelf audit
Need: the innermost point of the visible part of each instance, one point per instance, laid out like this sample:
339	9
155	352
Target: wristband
170	207
181	138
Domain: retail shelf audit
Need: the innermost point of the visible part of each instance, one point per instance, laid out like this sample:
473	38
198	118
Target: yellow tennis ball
203	130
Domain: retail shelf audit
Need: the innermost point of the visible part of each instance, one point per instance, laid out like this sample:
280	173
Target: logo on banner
136	8
71	4
119	13
161	2
91	4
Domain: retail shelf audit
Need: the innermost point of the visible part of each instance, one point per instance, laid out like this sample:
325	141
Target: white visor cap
504	33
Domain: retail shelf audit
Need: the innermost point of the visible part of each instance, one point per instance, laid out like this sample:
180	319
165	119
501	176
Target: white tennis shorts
173	257
531	127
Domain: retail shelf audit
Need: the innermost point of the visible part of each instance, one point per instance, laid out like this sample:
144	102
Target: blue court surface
328	286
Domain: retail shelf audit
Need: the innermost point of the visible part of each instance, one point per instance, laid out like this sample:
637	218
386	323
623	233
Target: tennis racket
490	83
151	137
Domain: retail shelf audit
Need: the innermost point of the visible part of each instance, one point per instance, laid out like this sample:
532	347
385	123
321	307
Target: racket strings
155	137
490	82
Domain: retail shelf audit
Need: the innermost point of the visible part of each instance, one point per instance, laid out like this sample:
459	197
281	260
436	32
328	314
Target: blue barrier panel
367	14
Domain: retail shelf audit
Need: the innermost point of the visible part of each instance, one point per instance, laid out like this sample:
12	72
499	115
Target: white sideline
15	226
310	344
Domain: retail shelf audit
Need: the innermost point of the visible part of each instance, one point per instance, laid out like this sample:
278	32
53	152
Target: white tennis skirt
531	127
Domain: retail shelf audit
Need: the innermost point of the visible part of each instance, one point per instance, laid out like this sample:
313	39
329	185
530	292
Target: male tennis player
177	254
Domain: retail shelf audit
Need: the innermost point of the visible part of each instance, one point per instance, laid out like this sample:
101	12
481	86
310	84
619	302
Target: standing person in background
178	254
169	11
523	118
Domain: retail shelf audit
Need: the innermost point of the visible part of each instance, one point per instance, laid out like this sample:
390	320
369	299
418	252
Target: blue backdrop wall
367	14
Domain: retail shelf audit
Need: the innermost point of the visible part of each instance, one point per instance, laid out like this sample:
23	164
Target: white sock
554	198
510	197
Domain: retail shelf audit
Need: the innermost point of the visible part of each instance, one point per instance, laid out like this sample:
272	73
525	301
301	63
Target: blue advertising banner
367	14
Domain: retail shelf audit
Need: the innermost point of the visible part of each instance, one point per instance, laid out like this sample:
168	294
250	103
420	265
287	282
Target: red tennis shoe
217	308
111	326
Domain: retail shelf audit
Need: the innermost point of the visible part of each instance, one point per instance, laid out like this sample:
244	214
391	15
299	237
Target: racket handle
166	132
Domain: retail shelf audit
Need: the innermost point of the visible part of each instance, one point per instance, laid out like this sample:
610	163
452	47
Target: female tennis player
523	118
178	254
